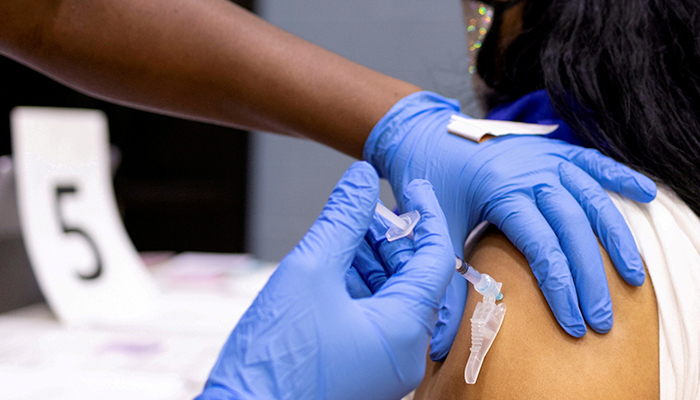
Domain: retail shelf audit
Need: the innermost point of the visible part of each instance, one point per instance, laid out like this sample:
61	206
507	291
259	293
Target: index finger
522	222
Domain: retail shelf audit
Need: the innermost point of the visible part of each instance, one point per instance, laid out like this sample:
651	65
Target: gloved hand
304	336
376	260
541	193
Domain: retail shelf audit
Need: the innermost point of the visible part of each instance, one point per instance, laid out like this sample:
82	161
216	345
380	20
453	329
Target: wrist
413	120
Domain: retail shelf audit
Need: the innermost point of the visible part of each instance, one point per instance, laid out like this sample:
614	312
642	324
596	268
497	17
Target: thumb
333	239
425	277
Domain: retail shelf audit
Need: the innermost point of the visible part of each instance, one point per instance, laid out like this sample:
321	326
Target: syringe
402	226
483	283
488	316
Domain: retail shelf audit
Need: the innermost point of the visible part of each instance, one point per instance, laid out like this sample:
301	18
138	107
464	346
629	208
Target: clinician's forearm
203	59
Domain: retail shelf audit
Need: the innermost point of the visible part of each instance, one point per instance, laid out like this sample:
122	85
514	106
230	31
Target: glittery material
478	17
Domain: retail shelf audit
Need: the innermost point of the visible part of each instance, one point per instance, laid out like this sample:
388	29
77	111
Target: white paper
167	358
206	292
86	266
476	129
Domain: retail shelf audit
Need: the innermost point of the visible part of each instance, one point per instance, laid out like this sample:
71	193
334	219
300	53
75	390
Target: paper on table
206	292
168	357
476	129
41	360
56	384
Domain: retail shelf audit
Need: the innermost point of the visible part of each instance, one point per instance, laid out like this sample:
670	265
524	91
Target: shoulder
532	357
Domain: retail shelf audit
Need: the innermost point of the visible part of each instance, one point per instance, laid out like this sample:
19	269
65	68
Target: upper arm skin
532	356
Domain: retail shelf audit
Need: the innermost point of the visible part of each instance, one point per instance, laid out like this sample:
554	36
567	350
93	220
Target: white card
86	266
476	129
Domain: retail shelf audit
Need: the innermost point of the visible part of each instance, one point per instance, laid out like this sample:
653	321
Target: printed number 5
97	271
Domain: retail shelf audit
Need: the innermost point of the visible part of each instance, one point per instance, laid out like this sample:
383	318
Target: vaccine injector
402	226
488	316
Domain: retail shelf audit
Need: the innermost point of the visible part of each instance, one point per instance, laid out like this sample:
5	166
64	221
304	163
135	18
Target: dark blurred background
181	185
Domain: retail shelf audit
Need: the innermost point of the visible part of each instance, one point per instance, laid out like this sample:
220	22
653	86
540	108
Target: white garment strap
668	235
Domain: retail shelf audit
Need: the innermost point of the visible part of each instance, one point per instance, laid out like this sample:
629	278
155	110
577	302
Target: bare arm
208	60
533	358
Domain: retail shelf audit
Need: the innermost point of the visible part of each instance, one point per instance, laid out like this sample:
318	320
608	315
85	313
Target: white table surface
167	357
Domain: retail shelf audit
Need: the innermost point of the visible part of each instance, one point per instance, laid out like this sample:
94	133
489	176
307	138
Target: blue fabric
535	108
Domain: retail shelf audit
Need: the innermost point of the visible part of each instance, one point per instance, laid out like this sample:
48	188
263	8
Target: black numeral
97	271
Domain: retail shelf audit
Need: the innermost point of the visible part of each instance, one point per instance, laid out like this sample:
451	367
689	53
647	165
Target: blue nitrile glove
377	259
543	194
304	337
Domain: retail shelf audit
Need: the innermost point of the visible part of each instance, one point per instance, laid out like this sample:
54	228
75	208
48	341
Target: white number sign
87	268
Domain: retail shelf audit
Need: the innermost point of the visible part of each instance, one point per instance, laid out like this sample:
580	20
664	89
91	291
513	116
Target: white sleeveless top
668	236
667	233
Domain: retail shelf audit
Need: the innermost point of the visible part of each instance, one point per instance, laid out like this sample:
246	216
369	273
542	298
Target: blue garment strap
535	108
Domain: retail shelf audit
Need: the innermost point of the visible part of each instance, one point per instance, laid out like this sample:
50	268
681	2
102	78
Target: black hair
624	74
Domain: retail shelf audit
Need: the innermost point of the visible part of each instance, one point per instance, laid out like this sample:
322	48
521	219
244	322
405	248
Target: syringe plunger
401	225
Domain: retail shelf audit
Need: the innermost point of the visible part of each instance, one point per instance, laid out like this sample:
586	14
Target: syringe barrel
483	283
488	287
467	271
473	276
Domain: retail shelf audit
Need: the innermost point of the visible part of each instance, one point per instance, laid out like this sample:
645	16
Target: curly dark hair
624	74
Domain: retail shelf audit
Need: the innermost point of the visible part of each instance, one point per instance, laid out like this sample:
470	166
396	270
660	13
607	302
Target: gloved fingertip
417	183
363	174
601	320
438	351
437	356
575	330
443	335
633	271
416	190
637	278
645	191
541	189
603	326
650	187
